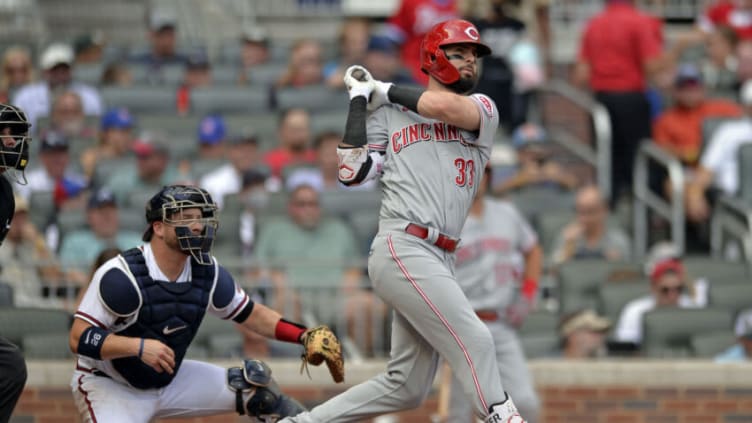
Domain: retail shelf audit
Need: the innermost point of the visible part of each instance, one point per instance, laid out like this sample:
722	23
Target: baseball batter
429	146
498	266
141	312
14	156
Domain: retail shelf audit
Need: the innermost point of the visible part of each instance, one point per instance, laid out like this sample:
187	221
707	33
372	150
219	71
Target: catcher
142	310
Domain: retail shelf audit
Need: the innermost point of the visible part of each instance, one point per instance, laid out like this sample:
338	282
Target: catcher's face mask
14	141
195	231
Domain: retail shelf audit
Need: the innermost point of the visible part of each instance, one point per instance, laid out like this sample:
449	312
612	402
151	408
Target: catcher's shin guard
264	399
504	412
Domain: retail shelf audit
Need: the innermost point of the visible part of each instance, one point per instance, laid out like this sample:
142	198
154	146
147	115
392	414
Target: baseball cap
211	129
56	54
253	177
745	93
687	74
54	141
160	19
149	143
659	252
254	34
583	319
381	44
743	327
100	198
669	265
197	60
118	118
86	41
528	134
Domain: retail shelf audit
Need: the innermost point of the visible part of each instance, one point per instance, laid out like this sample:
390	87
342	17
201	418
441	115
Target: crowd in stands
299	238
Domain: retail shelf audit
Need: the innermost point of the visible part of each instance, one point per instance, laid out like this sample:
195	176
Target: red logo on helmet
472	33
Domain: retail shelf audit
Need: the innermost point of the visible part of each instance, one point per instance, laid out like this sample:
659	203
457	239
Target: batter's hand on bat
158	356
379	95
358	82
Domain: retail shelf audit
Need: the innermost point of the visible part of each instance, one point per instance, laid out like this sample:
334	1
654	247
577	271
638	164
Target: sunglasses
666	290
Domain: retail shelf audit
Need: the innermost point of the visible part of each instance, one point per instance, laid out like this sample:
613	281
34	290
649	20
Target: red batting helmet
434	62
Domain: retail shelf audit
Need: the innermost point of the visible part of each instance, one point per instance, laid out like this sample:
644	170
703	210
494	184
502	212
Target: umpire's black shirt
7	207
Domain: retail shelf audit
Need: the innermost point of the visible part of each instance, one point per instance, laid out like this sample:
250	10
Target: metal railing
599	154
731	219
645	199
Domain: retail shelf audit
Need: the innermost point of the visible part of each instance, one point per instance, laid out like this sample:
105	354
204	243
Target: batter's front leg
404	385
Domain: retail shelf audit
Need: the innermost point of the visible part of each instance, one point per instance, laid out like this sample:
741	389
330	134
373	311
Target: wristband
288	331
406	96
529	289
141	349
90	342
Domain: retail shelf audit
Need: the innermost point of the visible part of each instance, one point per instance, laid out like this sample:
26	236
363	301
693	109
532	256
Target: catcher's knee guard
265	401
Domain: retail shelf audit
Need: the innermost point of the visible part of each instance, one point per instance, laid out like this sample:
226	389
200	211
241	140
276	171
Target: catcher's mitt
320	345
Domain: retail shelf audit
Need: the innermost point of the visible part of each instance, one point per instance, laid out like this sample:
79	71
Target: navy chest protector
170	312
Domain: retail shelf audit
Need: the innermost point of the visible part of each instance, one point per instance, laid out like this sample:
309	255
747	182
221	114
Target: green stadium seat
6	295
579	281
18	322
46	346
313	98
41	208
228	99
707	345
540	345
716	271
667	331
745	173
731	296
540	322
613	296
144	98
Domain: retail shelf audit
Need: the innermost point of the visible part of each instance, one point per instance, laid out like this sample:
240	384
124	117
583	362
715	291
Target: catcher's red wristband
288	331
529	288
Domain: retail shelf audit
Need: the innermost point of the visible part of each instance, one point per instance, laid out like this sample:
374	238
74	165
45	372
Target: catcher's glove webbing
321	345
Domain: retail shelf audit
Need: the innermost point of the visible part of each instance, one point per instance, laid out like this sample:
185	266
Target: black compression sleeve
355	128
406	96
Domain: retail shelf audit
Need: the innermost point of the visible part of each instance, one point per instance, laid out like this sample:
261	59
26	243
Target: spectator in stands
323	177
55	176
293	137
352	43
56	63
410	22
162	25
242	156
668	286
80	248
679	128
212	133
116	74
89	48
255	199
744	61
697	288
197	74
312	263
620	50
254	48
68	118
720	64
17	71
26	263
590	235
152	171
718	170
736	14
583	335
742	350
304	67
535	167
115	141
383	61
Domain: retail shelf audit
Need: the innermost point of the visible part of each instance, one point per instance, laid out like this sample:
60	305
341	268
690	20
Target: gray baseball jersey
430	176
490	261
431	169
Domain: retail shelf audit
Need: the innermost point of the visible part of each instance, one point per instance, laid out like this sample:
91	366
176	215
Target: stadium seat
144	98
533	200
88	73
333	120
229	99
227	243
667	331
18	322
365	224
344	202
716	271
540	322
579	281
548	226
265	75
745	173
313	98
167	75
215	328
172	124
46	346
709	126
71	220
6	295
707	345
613	296
43	208
731	296
224	74
540	345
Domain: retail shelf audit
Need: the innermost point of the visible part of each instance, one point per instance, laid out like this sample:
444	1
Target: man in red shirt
620	49
410	23
293	139
736	14
679	128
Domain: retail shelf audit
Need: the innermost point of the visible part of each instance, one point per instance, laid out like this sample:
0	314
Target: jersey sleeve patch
486	105
119	293
224	290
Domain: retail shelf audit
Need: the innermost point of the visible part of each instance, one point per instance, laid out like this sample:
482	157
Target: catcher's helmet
434	62
14	138
164	205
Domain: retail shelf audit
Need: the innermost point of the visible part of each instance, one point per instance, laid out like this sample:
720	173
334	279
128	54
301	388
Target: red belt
444	242
487	315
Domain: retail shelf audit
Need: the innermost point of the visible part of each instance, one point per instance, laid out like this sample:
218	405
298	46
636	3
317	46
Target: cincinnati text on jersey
436	131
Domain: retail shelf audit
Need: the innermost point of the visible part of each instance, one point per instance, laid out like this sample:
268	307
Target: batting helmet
168	202
434	62
14	138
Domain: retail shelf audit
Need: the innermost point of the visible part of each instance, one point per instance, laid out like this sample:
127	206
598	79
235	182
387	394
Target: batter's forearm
534	263
355	128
